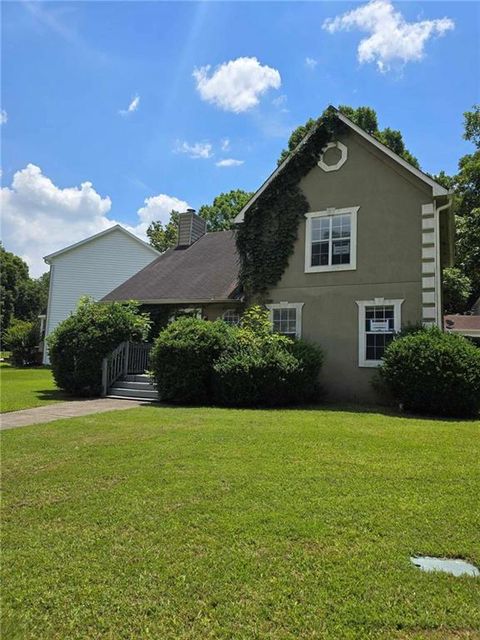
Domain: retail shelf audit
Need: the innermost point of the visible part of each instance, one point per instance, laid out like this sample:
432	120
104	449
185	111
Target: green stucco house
365	260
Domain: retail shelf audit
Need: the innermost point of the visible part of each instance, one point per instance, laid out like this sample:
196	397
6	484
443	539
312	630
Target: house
366	261
468	326
199	276
92	267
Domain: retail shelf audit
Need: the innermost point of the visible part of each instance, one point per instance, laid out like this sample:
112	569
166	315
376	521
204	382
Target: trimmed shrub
305	385
251	374
182	359
21	339
79	343
434	373
262	368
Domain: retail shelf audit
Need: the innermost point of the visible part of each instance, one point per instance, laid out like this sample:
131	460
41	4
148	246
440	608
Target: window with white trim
231	316
331	240
378	321
286	318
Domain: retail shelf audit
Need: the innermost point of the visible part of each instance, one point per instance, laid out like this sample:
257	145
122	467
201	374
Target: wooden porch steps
134	387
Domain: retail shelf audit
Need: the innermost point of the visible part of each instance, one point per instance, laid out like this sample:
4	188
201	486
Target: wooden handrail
128	357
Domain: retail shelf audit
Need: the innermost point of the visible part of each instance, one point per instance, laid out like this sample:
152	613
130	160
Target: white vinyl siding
93	268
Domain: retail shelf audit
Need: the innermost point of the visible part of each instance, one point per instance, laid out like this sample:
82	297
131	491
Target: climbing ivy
266	238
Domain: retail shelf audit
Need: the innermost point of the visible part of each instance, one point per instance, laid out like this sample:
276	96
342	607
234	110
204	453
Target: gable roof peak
437	189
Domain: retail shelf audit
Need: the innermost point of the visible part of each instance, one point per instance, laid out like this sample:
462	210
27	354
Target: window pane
341	252
316	236
319	253
285	321
325	228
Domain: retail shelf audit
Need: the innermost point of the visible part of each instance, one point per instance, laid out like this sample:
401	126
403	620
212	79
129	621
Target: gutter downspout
438	287
45	358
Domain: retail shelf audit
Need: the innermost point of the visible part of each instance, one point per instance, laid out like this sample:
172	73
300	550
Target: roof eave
119	227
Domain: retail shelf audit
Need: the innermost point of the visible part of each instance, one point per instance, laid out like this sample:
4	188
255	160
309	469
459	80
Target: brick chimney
190	228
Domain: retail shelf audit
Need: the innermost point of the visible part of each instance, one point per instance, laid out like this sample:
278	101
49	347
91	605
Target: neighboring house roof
476	307
206	271
437	188
116	227
466	325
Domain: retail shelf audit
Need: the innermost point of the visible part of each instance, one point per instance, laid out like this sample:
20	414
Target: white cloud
229	162
196	150
39	218
391	38
236	85
311	63
132	107
3	117
225	144
158	208
280	100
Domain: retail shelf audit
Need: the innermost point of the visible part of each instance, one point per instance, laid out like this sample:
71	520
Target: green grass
24	388
173	523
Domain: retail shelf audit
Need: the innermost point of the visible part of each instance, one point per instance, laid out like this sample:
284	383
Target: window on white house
286	318
331	240
231	316
379	320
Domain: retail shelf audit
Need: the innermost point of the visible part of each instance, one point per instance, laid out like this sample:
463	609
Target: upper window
286	318
378	321
331	238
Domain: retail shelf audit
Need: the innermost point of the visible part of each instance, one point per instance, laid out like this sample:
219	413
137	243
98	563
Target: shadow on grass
53	394
387	411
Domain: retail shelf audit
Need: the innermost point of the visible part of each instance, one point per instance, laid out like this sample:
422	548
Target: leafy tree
364	117
295	138
466	207
457	289
21	339
472	125
14	273
21	297
219	216
221	213
32	297
163	237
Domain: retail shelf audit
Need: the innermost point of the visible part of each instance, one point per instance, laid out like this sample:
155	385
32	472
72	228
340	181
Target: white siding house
92	267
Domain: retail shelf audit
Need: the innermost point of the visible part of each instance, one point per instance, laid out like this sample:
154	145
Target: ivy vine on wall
266	238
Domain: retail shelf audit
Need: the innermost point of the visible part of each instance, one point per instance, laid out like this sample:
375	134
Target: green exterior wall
389	260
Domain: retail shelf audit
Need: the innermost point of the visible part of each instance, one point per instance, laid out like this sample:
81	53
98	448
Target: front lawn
27	387
173	523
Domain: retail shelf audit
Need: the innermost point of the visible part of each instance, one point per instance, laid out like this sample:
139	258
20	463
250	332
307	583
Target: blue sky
70	71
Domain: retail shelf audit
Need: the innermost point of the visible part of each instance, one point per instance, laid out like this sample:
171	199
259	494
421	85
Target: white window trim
353	240
288	305
343	156
362	342
234	312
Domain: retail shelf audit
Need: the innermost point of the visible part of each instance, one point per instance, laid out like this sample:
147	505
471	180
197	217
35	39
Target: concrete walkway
70	409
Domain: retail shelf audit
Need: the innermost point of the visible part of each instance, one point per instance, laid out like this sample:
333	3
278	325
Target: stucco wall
94	269
389	260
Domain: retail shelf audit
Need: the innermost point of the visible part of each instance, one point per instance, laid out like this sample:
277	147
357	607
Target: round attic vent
334	155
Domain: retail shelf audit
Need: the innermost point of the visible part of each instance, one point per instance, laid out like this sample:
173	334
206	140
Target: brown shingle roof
205	271
462	324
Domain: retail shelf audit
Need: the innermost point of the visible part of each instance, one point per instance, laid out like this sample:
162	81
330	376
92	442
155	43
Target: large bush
265	369
433	372
21	339
79	343
182	359
196	361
